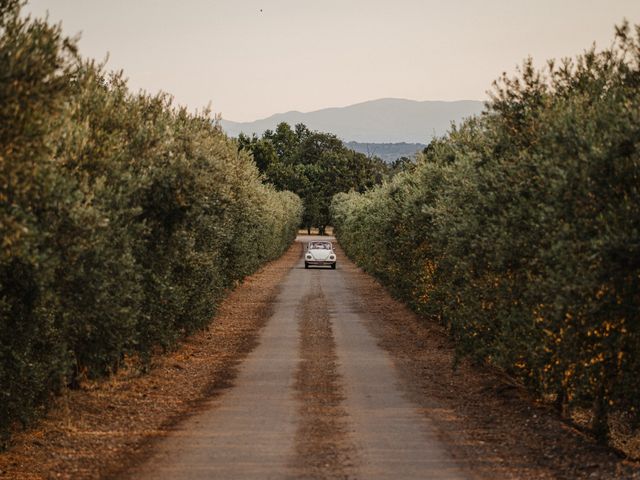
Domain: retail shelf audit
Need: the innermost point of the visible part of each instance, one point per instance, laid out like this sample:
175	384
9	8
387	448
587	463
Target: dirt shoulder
492	429
98	431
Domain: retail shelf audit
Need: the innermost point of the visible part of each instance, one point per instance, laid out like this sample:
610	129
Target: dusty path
288	417
248	431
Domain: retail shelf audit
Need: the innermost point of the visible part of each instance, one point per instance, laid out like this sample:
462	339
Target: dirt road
317	398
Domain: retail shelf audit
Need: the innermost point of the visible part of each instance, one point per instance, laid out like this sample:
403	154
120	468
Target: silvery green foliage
520	231
124	219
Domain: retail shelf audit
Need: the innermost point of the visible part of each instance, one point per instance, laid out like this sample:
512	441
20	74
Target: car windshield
320	246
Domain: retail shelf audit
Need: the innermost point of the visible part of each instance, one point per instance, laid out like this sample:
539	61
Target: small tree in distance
314	165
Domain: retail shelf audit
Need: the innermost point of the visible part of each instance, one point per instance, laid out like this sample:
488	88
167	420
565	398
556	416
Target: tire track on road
323	447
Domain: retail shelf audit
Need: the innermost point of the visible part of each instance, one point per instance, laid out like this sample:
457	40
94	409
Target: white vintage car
319	253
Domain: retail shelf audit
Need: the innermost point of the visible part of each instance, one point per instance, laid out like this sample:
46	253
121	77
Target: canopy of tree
123	220
314	165
520	232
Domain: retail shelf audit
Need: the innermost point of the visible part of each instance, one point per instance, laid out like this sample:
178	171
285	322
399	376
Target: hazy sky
254	58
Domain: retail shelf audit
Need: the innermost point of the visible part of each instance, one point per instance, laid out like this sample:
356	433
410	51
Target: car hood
320	254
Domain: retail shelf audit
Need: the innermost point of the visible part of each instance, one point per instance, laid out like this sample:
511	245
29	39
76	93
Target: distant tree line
314	165
389	152
520	232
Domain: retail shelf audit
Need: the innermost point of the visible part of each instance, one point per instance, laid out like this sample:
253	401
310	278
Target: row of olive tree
122	219
520	231
314	165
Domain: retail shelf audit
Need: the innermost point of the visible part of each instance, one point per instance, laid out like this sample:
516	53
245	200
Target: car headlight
332	257
309	257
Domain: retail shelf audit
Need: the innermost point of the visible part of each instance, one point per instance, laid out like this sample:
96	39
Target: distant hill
388	120
388	152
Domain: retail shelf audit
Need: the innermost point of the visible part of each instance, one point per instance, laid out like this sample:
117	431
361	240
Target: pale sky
250	59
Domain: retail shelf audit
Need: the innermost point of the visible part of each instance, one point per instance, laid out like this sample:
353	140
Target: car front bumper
320	262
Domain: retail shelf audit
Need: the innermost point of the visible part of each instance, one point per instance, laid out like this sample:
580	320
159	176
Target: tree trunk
600	425
560	402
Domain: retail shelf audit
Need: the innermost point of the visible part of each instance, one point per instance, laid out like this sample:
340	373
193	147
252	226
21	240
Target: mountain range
387	120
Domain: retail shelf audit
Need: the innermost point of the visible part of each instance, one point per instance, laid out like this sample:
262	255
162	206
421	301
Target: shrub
519	230
124	219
